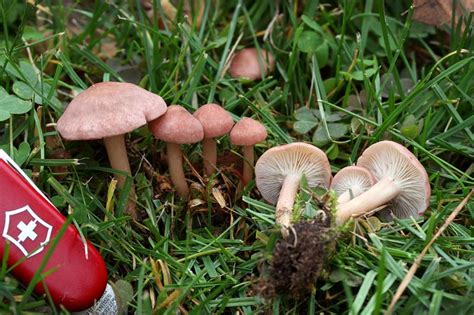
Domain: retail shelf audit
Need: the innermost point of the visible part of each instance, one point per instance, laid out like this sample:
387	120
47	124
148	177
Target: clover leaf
11	105
29	87
308	119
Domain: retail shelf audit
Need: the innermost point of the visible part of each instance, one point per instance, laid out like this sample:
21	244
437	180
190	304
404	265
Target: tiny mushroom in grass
403	183
248	132
278	173
350	182
249	64
216	122
177	127
109	110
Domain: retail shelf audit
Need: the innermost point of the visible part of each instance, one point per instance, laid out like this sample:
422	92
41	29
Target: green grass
207	259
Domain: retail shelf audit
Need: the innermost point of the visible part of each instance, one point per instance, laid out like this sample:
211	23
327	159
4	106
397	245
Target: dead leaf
219	197
193	203
440	12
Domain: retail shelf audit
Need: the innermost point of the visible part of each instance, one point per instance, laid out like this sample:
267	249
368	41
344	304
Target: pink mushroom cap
247	132
178	126
247	64
215	120
109	109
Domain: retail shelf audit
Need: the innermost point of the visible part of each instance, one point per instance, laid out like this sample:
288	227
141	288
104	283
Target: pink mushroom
350	182
278	173
249	64
177	127
403	184
108	111
215	122
247	133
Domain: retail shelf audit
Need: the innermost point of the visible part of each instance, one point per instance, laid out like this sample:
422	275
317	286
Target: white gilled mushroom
278	173
247	133
403	183
215	122
350	182
249	64
177	127
109	110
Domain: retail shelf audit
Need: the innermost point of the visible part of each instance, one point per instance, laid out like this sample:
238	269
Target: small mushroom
278	173
403	183
215	122
177	127
109	110
350	182
249	64
247	133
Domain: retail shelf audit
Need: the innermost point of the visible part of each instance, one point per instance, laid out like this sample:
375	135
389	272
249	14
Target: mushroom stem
379	194
349	194
118	159
175	164
249	161
286	200
209	152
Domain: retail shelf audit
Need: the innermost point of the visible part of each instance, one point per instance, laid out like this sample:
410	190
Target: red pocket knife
75	275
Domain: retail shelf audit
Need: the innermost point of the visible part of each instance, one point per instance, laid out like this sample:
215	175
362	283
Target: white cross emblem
27	231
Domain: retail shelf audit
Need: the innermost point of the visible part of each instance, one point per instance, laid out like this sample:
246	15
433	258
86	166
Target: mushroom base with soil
298	259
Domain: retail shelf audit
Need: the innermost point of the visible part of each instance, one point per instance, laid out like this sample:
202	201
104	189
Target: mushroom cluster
402	183
387	176
109	110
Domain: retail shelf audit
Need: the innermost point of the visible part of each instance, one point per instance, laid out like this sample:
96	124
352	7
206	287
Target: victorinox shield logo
26	230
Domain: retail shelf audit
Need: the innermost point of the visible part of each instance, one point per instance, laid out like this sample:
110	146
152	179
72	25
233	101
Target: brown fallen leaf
440	12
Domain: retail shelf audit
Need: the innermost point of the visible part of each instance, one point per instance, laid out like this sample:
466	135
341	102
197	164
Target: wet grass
369	71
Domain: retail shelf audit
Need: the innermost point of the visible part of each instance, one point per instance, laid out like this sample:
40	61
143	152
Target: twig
403	285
